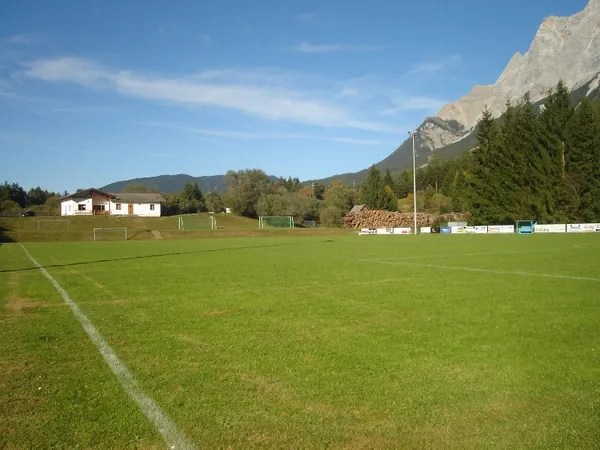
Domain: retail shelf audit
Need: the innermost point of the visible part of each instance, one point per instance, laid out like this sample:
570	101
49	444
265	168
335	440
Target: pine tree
373	193
403	184
483	185
388	180
581	163
537	164
511	169
554	119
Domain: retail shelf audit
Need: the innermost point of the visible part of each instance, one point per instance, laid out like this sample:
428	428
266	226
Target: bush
331	216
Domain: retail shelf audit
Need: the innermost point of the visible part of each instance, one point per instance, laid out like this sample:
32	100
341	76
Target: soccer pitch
312	342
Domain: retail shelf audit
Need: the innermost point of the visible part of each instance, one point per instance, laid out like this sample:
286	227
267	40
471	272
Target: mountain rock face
563	47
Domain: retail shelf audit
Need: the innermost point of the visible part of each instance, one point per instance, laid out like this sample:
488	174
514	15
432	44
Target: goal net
110	234
276	222
197	222
61	225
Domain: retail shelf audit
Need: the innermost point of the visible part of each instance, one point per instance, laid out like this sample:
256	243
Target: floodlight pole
412	135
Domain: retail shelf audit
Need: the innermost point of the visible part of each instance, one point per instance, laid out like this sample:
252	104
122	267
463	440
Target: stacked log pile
388	219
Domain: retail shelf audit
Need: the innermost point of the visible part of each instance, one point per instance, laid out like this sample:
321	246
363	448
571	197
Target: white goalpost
196	222
110	234
54	225
275	222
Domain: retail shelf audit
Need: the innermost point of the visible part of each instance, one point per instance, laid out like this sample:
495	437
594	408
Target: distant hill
169	184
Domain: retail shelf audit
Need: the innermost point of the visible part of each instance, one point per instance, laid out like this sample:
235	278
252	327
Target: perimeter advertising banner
501	229
583	228
385	231
425	230
550	228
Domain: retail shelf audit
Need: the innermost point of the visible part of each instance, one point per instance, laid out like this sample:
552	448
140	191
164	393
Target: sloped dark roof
138	197
358	208
88	193
125	197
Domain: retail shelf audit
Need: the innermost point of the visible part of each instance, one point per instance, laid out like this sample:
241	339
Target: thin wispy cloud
433	67
266	102
306	18
348	92
232	134
307	47
414	103
23	38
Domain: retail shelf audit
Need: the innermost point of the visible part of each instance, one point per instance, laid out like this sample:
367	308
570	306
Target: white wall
139	209
71	207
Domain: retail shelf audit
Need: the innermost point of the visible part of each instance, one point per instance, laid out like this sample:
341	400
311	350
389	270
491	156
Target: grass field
314	342
80	228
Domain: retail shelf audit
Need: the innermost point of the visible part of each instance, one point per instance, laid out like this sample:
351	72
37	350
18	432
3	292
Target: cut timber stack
388	219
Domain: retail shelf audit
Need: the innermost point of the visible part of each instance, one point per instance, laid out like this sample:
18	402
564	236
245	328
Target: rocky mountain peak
566	48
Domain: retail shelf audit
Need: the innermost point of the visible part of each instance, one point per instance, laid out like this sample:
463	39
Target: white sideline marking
474	269
174	438
454	255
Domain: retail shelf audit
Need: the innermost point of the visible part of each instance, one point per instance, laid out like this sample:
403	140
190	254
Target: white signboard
551	228
425	230
583	228
384	231
500	229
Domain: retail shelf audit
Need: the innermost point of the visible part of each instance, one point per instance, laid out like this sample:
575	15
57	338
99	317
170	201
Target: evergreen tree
537	164
403	184
482	182
511	169
581	163
388	180
554	119
192	199
391	201
373	192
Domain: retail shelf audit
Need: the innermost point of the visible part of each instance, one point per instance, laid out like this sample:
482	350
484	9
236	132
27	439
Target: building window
99	207
118	207
151	207
81	207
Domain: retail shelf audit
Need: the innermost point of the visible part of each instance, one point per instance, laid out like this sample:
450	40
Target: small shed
359	208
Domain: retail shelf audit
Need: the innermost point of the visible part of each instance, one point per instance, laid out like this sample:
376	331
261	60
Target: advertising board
425	230
583	228
384	231
500	229
550	228
445	230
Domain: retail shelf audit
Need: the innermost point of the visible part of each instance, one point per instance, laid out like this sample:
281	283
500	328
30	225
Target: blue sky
93	92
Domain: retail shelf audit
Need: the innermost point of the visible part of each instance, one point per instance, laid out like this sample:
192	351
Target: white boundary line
172	436
474	269
454	255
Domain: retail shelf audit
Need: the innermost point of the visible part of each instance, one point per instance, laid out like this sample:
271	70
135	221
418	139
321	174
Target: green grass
25	229
307	342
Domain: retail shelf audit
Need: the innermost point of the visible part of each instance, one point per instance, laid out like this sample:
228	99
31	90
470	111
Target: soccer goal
110	234
197	222
310	223
63	225
275	222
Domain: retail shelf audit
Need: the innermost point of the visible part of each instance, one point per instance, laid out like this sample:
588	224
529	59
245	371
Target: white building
95	201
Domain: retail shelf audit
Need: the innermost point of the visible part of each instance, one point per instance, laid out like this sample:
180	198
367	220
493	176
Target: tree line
14	199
